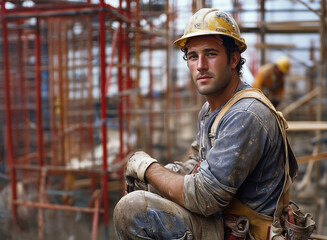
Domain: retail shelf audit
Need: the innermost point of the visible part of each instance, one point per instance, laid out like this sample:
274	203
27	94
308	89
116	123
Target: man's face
208	64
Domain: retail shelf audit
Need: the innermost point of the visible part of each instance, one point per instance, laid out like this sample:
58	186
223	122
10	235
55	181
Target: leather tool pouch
293	225
236	227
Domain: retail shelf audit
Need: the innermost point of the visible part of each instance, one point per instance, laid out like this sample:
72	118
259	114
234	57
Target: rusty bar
60	97
102	39
128	77
38	99
22	89
112	56
89	95
96	198
151	116
8	115
51	94
65	112
167	100
41	200
120	89
60	169
57	207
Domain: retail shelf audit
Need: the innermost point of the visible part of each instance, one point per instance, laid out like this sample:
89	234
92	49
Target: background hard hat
208	21
283	64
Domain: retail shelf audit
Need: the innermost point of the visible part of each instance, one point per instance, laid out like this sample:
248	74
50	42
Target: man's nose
202	63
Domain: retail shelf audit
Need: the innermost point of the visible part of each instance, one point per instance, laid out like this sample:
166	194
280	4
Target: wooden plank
306	125
317	157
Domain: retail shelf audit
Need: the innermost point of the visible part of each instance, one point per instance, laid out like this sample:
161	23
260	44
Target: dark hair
230	47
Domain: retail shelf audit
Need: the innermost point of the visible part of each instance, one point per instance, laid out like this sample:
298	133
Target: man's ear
235	58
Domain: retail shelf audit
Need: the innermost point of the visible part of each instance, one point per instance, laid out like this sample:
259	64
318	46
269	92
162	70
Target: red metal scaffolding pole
120	86
102	37
38	99
22	90
151	117
128	77
8	115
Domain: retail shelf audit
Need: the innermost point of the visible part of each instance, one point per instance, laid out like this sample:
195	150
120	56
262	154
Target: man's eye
212	54
190	57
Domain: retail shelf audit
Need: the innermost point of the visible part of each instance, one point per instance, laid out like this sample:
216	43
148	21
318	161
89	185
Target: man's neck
217	100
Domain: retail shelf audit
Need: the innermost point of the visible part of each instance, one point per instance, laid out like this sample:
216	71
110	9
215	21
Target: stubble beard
212	88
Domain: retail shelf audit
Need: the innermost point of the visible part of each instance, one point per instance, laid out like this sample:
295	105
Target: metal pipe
151	117
167	100
38	99
54	152
57	207
95	221
262	31
112	56
89	96
22	88
8	115
128	77
60	97
120	89
102	38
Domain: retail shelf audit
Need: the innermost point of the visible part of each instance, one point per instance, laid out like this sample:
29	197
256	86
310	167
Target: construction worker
270	79
230	187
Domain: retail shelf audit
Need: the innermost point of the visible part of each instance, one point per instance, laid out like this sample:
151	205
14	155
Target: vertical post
120	85
22	90
262	31
167	114
151	118
38	110
140	132
102	49
128	78
54	147
38	95
322	72
8	115
90	95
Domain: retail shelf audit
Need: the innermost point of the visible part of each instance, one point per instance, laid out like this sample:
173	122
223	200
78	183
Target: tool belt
259	224
293	225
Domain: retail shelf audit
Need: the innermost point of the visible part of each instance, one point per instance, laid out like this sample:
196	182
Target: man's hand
136	166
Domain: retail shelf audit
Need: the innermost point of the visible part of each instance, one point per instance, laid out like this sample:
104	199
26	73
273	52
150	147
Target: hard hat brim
182	41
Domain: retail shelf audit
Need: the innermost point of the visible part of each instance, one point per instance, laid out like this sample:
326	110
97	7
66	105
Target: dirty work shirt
246	160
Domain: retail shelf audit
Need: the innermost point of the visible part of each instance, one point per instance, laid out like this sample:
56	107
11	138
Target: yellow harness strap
259	223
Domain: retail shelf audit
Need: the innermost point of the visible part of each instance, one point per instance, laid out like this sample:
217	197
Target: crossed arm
166	182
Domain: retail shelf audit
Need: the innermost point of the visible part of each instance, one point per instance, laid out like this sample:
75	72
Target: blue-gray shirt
246	160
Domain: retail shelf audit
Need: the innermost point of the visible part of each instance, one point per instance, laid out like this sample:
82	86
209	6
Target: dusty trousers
145	215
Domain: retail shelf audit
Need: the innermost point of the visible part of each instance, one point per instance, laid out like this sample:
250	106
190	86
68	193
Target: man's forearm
166	182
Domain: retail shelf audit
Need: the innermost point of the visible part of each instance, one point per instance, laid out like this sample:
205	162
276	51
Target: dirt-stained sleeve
204	195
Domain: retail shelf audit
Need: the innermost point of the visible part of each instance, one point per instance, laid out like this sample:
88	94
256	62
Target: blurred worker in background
231	186
270	79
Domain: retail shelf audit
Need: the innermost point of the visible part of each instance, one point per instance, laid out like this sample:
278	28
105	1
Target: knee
130	203
128	210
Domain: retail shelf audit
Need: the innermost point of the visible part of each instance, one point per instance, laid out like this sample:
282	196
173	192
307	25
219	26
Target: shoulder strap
257	94
248	93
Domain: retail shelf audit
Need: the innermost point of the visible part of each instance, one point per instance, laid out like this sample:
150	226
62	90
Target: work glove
136	167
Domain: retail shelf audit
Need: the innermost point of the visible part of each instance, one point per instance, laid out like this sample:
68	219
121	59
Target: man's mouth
203	78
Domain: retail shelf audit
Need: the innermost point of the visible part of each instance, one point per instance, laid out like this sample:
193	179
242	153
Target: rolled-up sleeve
204	195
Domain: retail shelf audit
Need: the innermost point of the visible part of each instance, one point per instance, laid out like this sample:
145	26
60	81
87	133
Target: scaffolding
70	74
84	83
